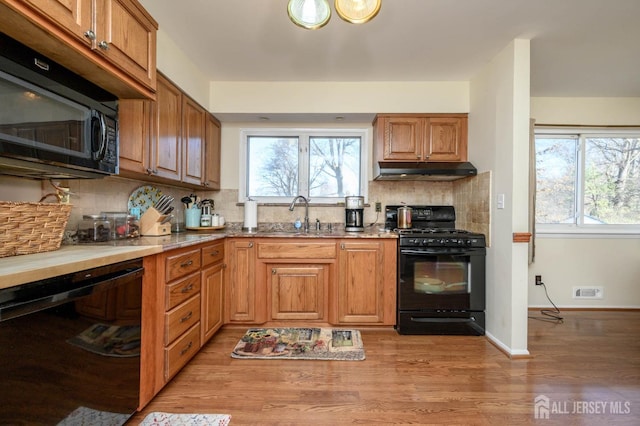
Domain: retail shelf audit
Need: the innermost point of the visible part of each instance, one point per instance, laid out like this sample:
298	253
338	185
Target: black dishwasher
70	347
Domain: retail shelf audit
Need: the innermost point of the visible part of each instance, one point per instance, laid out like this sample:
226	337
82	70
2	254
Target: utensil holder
150	223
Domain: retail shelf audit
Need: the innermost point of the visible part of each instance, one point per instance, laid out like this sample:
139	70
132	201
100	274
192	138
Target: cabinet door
193	131
402	138
446	139
74	16
360	282
212	153
135	117
126	36
297	291
243	296
212	297
166	151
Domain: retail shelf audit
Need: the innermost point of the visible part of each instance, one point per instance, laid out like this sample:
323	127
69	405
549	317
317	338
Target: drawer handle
187	317
185	264
187	289
186	349
215	253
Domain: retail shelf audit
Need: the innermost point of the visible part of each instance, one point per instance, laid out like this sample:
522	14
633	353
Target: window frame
579	229
303	135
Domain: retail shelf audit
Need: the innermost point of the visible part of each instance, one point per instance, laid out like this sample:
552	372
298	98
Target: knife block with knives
154	223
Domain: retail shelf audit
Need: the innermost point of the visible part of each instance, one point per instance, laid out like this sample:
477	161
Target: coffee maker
354	214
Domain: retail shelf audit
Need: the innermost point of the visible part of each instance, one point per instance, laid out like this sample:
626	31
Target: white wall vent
590	292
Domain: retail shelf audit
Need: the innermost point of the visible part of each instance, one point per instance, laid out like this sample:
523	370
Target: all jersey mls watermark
544	407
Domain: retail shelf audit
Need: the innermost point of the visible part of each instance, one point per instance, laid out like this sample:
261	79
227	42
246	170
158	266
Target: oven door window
435	281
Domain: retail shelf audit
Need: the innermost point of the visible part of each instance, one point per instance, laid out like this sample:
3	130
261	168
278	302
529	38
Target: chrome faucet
306	210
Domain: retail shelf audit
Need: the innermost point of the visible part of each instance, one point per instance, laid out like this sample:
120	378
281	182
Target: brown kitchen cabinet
193	141
172	140
212	293
246	302
212	150
298	291
365	289
420	137
110	42
296	276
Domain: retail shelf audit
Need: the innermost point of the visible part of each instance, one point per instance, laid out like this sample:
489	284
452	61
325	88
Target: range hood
434	171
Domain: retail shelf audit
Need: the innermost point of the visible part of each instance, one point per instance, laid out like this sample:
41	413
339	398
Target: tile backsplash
470	196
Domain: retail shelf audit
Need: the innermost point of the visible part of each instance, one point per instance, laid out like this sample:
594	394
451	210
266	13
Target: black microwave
53	122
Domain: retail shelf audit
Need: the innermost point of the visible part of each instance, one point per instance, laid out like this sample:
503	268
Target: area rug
300	343
172	419
110	340
84	416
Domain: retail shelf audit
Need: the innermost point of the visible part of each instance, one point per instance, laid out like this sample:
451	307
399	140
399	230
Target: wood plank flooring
591	359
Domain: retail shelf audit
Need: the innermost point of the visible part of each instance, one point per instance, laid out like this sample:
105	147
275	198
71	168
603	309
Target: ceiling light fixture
309	14
357	11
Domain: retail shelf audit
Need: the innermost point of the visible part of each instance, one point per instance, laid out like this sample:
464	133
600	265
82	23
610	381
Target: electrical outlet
378	206
538	279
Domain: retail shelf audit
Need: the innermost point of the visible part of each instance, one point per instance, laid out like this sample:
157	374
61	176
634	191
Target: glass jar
93	228
133	226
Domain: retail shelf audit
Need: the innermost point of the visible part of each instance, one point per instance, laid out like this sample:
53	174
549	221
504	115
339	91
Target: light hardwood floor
592	358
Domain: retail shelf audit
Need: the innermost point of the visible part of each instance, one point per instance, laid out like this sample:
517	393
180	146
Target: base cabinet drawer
181	318
181	351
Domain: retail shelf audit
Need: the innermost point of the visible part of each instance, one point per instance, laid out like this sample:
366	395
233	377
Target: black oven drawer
441	323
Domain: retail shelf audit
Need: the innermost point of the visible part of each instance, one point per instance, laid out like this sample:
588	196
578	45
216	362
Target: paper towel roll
250	215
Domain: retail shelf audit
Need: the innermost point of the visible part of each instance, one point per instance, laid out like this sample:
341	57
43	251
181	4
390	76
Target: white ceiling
578	47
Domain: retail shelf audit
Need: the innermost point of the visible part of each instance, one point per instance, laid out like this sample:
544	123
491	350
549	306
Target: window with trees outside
587	180
323	165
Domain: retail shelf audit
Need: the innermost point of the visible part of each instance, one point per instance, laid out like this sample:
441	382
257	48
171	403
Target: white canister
205	220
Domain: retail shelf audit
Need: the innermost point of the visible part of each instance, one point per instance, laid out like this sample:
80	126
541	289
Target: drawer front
297	250
179	265
181	351
181	318
181	290
212	253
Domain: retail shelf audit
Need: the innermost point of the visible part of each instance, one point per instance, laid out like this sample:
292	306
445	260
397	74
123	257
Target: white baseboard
511	353
587	307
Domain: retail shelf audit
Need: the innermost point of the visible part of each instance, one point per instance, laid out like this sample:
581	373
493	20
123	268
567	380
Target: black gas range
441	273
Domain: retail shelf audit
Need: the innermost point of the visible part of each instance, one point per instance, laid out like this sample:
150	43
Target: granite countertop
70	258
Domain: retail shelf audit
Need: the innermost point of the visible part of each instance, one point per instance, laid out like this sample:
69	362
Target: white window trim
362	133
580	230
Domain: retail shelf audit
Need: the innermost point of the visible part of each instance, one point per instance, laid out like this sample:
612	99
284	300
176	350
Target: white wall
498	127
612	263
338	97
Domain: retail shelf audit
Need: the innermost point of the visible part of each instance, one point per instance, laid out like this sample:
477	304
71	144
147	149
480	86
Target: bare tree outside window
320	167
605	187
335	167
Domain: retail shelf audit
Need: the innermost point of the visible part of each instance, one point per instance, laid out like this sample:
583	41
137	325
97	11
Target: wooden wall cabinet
109	42
420	137
365	291
172	140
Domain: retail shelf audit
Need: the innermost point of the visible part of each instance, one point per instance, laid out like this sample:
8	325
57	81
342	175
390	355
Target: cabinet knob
250	245
90	35
103	45
342	246
274	271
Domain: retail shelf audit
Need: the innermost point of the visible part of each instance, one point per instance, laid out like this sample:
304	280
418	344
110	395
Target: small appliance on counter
354	214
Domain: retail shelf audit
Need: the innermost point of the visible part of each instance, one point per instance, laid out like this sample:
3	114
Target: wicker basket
27	228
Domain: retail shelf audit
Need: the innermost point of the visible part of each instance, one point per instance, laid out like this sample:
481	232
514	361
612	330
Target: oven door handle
438	251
